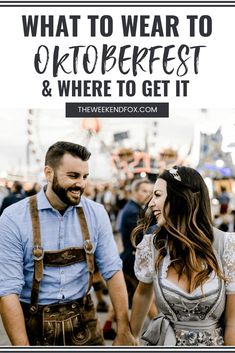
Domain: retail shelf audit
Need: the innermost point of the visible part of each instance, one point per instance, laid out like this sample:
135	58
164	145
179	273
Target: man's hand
125	339
118	294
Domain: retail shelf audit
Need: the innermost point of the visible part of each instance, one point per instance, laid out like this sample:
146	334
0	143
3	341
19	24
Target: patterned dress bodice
203	308
206	307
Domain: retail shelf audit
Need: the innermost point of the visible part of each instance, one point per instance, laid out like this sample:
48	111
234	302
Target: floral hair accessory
174	172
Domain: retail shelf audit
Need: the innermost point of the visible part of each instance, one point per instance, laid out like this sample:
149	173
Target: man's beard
65	194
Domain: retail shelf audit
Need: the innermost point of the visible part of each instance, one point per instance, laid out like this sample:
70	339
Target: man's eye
73	176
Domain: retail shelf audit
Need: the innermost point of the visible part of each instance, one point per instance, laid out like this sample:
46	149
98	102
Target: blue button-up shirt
57	232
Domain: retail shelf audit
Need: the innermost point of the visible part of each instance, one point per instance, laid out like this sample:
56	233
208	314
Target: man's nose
80	183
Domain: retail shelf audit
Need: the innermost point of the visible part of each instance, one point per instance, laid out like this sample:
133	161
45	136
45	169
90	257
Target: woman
190	265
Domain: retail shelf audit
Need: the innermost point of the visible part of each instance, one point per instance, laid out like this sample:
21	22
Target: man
141	190
4	192
16	194
46	256
224	200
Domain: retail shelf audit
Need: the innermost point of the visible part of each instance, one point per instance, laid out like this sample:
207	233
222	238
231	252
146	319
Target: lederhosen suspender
63	257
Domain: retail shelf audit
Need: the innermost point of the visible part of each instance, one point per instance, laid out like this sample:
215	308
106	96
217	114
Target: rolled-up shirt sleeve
106	253
11	257
144	260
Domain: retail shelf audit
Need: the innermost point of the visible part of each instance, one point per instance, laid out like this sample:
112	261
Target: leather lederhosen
73	323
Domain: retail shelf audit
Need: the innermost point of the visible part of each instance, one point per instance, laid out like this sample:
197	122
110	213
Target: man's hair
223	188
17	186
60	148
137	183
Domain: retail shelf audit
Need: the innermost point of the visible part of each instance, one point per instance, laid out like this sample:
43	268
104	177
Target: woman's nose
151	203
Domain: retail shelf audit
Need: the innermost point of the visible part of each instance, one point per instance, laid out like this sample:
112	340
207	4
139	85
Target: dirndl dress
187	319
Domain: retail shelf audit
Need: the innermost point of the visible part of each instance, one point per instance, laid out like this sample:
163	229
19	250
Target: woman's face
158	200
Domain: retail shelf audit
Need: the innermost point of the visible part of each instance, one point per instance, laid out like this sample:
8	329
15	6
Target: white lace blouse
144	265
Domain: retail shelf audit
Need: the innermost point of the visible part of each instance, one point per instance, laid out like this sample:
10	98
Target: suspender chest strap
37	254
87	247
62	257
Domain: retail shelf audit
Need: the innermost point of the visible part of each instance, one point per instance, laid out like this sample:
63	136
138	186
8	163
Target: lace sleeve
229	262
144	256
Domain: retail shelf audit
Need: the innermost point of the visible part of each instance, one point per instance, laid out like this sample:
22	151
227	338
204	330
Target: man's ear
49	173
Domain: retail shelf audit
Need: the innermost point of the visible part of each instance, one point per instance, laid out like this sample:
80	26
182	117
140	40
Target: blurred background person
16	194
224	200
4	191
34	190
141	190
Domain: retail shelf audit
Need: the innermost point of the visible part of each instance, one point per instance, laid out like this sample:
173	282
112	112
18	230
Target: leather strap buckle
38	253
88	247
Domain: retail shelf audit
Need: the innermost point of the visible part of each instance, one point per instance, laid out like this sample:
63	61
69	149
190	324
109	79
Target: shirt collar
44	204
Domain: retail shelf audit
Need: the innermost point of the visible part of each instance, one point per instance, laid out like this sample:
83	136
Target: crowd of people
11	192
169	259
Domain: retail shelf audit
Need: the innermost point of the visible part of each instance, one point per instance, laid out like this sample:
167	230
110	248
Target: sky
21	86
49	125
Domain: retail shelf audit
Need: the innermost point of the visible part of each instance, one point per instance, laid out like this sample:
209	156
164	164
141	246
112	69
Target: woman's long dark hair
188	230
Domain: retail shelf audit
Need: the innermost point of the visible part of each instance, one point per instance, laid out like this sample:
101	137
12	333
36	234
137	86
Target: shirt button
62	272
62	289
